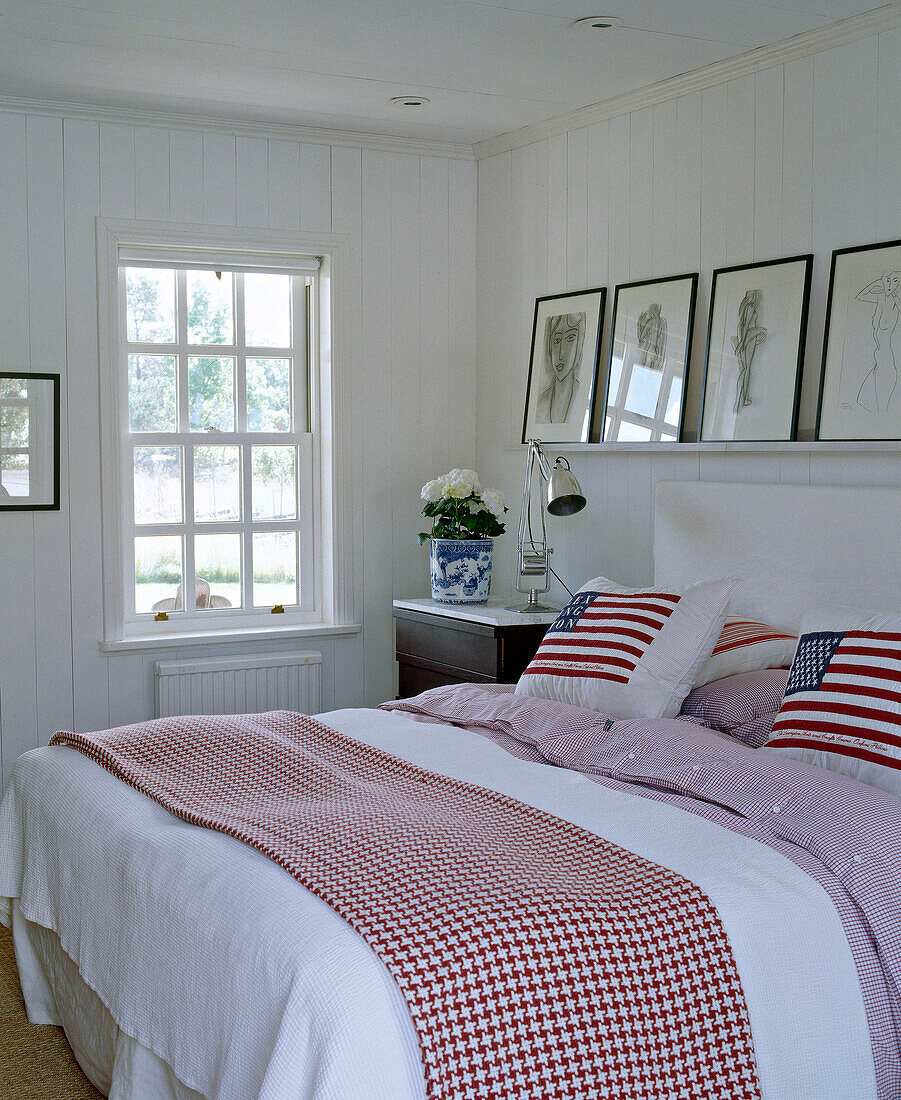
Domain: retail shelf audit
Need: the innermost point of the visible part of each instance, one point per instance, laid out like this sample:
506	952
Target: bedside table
462	643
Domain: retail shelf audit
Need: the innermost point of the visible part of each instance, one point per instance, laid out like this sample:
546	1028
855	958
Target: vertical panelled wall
801	157
409	376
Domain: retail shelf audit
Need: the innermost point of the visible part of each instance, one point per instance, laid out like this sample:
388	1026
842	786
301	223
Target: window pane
151	393
269	395
158	573
674	405
150	305
633	433
14	475
158	496
13	425
267	310
13	387
211	392
275	568
210	308
644	390
217	566
274	489
217	483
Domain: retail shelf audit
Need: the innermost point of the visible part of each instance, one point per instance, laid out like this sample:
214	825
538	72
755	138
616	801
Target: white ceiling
488	66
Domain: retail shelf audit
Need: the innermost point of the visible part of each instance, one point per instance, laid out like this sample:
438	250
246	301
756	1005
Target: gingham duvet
248	985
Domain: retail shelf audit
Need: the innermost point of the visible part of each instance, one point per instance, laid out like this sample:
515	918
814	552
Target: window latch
279	609
161	617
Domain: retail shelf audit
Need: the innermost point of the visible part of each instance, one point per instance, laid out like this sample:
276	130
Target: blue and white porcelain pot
461	570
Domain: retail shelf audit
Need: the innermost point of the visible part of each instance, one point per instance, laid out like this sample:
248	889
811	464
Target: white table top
493	612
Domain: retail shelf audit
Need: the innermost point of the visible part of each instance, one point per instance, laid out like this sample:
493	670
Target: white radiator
238	685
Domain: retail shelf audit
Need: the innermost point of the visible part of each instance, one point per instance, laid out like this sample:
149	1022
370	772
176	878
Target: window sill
225	637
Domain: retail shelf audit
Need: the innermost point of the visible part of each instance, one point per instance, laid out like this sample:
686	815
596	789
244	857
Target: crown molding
355	139
856	27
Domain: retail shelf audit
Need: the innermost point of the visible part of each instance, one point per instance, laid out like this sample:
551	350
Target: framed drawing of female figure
566	343
860	395
755	350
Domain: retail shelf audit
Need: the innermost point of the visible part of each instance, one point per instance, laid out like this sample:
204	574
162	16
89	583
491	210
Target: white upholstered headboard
791	546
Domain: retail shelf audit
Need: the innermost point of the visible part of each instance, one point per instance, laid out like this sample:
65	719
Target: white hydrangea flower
494	501
462	483
433	490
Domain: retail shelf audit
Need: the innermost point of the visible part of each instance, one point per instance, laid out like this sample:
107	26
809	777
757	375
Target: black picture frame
655	338
21	392
735	404
859	395
560	398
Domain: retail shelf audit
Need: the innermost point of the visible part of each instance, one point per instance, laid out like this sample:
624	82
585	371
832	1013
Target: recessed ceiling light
598	23
409	100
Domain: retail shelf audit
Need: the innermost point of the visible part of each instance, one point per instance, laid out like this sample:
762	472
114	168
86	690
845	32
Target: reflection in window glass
14	475
217	484
217	566
674	405
211	317
157	481
150	305
14	425
644	389
13	388
274	568
211	392
158	573
616	369
267	310
633	433
274	492
269	395
151	393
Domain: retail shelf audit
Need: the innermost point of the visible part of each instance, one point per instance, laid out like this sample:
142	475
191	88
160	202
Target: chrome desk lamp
564	498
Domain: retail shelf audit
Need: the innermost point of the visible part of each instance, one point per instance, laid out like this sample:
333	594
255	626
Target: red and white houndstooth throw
537	959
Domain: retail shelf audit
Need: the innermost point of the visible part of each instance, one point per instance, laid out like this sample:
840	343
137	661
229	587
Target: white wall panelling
410	373
776	160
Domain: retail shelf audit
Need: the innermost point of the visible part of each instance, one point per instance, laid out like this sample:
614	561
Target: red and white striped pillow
842	704
746	645
627	652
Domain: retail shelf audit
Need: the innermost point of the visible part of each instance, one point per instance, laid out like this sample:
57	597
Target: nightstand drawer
445	642
483	644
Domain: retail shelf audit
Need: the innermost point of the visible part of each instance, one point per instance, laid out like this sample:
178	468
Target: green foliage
455	519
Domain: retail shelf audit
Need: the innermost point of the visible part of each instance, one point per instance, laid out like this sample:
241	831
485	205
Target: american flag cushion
628	652
746	645
842	704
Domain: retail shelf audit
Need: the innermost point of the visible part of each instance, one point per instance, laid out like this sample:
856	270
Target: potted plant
465	519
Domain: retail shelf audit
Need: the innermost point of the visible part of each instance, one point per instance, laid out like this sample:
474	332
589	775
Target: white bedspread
249	986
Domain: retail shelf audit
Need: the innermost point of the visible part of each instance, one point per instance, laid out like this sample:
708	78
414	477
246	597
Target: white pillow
628	652
746	645
842	703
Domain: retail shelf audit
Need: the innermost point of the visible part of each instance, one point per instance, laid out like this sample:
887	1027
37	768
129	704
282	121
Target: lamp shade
564	494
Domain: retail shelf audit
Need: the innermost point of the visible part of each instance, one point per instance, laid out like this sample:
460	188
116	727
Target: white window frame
327	601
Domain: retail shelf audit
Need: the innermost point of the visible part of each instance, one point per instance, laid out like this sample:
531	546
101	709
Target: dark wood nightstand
462	643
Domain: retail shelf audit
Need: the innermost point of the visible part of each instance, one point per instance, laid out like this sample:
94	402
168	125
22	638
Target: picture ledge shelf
737	446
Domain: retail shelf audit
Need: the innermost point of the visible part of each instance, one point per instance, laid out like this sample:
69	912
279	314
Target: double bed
184	963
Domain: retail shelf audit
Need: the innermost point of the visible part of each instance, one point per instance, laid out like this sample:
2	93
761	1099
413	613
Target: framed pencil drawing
649	355
29	442
755	350
563	366
860	397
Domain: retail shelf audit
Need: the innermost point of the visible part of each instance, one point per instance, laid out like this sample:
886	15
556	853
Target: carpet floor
36	1062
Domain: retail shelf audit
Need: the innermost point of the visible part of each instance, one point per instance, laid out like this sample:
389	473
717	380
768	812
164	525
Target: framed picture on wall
29	442
563	367
755	350
860	395
649	355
